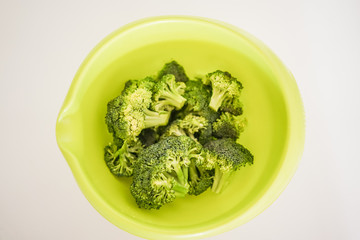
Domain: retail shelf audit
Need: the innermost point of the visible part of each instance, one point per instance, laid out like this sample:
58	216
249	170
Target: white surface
42	44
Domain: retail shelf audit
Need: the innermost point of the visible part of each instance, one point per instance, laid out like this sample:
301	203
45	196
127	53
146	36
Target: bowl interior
82	133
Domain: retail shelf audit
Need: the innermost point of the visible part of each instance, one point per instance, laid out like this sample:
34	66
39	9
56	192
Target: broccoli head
232	105
225	156
176	136
173	129
162	171
138	93
193	124
128	114
188	126
120	159
200	179
224	87
198	99
228	126
206	135
197	95
168	93
175	69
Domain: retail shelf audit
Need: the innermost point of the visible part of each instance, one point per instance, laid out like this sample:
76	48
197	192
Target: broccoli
233	106
188	126
225	156
224	88
205	135
118	141
200	179
176	136
175	69
193	124
168	93
197	95
173	130
198	99
128	114
120	159
228	126
162	170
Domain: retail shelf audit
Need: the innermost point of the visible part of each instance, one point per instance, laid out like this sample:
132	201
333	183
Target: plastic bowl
273	107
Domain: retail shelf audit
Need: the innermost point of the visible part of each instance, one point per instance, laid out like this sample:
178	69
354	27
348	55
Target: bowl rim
292	152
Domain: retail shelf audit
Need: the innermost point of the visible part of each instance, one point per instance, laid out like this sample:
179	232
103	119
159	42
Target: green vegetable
128	114
168	93
228	126
206	134
198	98
225	156
175	69
224	88
197	95
162	171
188	126
120	159
175	136
232	105
200	179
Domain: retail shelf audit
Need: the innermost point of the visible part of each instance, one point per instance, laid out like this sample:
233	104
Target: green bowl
273	107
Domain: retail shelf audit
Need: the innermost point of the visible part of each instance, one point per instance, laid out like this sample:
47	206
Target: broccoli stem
181	174
180	190
173	99
120	161
153	119
217	98
220	179
181	186
194	177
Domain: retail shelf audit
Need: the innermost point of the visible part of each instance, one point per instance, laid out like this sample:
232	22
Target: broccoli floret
117	141
197	95
229	126
193	124
209	114
233	106
225	156
176	136
173	129
162	171
175	69
168	93
138	93
200	179
189	126
224	87
128	114
154	119
206	135
198	99
120	159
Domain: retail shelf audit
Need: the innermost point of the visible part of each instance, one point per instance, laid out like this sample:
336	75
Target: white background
42	44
